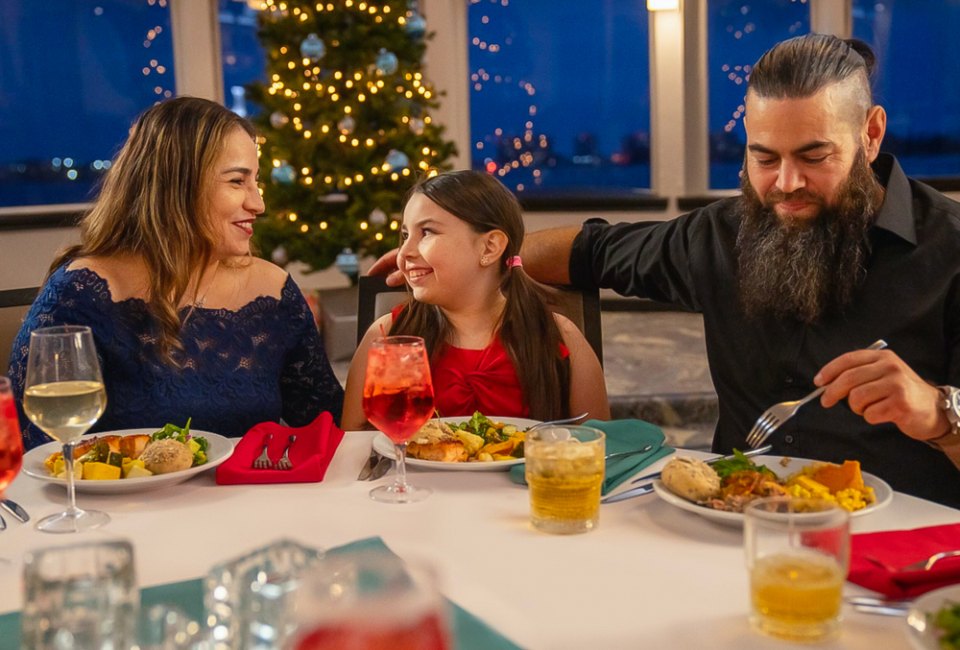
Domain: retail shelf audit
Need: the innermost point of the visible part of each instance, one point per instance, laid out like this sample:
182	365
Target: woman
187	323
493	344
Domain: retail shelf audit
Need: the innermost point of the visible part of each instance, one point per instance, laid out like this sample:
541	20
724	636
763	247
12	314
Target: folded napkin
310	453
876	557
622	435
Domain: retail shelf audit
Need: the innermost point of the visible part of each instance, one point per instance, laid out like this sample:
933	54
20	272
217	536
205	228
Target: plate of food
933	621
131	460
719	491
477	444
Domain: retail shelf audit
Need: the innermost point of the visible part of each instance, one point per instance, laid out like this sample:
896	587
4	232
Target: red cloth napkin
310	453
875	558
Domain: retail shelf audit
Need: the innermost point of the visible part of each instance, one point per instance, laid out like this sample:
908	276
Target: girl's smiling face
441	256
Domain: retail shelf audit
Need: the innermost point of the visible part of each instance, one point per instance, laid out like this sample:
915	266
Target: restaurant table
651	575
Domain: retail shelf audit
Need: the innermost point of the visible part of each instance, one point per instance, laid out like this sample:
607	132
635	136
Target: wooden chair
582	307
14	305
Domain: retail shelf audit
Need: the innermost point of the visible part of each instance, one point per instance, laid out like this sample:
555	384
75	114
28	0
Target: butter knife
15	509
752	452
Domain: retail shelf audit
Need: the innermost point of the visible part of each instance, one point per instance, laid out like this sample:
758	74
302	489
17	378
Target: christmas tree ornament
347	125
416	125
378	217
387	62
396	160
278	119
313	48
416	25
284	173
348	263
279	256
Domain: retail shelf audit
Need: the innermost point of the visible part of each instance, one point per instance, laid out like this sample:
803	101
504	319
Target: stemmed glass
64	397
398	400
11	444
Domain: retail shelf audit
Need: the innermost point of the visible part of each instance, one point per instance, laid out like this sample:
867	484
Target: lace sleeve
65	299
307	383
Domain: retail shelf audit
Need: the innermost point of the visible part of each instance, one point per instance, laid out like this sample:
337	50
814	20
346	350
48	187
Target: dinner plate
921	632
219	450
384	446
782	467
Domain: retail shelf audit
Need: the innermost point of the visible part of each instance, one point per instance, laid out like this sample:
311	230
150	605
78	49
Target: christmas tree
346	126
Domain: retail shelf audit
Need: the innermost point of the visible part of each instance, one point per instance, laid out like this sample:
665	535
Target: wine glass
64	397
11	444
398	400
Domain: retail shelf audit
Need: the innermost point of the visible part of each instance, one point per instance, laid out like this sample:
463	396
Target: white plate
881	490
384	446
922	634
219	450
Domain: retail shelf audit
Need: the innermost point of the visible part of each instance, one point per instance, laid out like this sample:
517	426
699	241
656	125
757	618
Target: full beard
803	268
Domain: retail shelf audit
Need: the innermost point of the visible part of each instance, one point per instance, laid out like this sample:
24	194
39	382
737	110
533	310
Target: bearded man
828	248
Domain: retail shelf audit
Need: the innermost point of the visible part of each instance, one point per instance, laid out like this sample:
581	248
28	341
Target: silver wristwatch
950	403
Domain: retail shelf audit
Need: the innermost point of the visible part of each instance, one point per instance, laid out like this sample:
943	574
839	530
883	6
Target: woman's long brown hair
527	329
153	204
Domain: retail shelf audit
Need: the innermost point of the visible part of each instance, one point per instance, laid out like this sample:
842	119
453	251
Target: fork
263	460
550	423
771	419
284	462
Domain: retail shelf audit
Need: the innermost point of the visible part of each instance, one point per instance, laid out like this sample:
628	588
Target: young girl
494	346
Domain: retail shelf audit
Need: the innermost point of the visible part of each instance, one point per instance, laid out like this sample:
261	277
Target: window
73	76
242	54
738	33
559	95
913	81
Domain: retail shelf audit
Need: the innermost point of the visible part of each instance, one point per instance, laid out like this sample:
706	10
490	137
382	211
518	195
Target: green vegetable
947	621
198	445
739	463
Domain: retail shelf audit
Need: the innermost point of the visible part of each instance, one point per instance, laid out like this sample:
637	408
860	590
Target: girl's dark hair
802	66
527	328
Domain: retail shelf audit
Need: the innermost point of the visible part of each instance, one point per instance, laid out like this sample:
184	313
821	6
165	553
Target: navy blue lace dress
262	362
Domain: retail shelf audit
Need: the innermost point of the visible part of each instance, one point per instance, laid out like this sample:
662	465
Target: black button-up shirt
910	298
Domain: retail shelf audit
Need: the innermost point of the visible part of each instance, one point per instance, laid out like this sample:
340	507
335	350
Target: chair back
14	305
581	306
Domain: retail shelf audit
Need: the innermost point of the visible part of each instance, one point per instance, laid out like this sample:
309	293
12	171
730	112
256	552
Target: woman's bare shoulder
260	277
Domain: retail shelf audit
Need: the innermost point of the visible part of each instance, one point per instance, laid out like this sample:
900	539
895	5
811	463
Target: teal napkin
469	632
622	435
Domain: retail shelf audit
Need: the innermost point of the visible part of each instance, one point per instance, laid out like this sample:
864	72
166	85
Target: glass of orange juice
798	553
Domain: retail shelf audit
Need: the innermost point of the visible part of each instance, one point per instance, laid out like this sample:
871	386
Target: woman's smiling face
440	255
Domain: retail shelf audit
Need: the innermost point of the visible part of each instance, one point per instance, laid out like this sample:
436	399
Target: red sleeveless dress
484	380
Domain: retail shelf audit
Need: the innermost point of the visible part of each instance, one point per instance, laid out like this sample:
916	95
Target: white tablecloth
650	576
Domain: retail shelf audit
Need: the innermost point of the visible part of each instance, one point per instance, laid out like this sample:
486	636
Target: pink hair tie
514	261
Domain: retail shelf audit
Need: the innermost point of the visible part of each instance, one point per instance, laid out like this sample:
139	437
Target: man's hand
387	265
881	387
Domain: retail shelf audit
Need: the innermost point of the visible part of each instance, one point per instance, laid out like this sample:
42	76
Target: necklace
201	300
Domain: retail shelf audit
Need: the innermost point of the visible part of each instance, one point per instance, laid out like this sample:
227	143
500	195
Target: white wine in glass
64	397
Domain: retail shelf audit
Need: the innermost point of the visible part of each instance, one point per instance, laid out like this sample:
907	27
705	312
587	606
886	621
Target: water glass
248	598
564	470
798	553
80	596
368	600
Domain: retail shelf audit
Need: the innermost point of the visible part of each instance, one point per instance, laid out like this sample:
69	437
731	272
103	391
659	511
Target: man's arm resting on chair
546	254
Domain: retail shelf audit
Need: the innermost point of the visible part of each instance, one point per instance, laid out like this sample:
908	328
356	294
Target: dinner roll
167	455
691	479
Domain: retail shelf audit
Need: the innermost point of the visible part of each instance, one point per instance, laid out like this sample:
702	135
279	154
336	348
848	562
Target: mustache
774	196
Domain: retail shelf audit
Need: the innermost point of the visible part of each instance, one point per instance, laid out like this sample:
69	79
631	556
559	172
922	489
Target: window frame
679	157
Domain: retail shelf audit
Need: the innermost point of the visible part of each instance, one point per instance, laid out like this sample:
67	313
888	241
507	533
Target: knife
383	466
3	523
368	466
15	509
753	452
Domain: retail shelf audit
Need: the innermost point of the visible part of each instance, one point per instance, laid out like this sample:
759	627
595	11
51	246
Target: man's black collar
896	213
